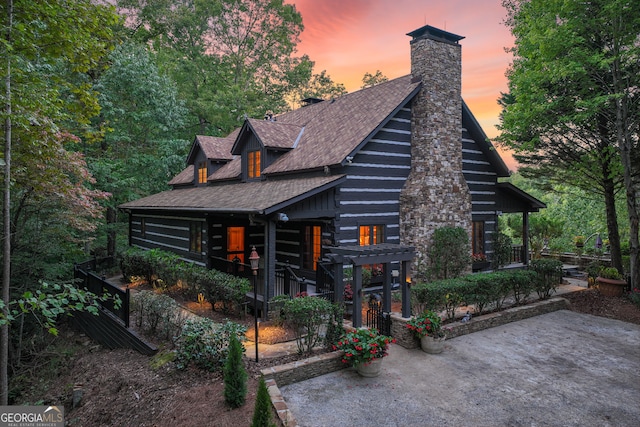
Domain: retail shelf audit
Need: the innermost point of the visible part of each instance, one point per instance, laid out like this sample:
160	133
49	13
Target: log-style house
361	180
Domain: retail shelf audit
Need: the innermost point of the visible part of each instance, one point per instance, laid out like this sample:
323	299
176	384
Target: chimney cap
433	33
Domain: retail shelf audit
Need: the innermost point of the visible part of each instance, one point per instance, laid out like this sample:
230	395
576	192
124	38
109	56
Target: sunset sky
348	38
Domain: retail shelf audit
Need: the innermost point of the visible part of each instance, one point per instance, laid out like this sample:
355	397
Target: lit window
253	164
312	246
195	237
202	173
371	235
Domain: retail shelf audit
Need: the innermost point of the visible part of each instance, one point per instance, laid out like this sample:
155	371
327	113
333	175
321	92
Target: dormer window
253	164
202	173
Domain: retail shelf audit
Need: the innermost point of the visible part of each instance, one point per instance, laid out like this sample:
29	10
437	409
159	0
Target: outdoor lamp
254	259
598	242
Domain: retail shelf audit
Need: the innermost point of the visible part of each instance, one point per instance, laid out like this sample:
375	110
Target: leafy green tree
573	97
235	375
48	48
136	154
230	58
369	79
542	229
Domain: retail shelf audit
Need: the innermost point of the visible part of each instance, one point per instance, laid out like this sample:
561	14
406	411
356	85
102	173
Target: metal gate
376	318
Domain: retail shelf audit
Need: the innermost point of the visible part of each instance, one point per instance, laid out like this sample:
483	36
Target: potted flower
610	282
364	349
479	261
348	292
427	327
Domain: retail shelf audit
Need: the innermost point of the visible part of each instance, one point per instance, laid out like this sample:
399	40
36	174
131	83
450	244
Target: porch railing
288	282
517	253
325	280
87	279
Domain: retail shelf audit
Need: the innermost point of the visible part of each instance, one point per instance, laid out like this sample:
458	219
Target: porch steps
569	270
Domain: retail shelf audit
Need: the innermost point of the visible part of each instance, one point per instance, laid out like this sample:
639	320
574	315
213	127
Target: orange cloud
348	38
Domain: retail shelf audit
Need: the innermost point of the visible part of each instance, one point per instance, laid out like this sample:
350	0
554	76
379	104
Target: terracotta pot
611	287
371	369
432	345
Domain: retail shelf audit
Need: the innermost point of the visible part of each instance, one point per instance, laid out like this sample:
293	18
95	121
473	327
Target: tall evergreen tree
262	411
235	375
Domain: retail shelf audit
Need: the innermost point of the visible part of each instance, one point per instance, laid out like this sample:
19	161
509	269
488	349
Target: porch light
254	259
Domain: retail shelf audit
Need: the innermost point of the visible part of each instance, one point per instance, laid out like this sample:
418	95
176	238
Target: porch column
338	281
386	289
269	264
406	295
525	237
356	316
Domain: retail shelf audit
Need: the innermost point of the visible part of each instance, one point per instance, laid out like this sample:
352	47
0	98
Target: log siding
375	177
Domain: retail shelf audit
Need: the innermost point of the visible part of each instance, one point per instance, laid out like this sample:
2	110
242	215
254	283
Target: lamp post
254	259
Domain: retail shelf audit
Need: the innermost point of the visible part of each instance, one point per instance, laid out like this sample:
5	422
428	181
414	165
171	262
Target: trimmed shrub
549	276
501	251
483	289
428	296
165	269
522	284
158	314
502	288
307	315
438	295
235	375
335	326
205	344
449	253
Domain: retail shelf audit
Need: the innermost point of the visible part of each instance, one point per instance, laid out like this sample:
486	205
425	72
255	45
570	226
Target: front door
235	245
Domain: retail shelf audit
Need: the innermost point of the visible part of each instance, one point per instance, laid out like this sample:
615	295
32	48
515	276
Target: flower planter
371	369
611	287
480	265
432	345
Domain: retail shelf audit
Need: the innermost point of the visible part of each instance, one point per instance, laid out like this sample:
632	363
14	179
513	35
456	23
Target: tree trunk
111	231
6	222
612	223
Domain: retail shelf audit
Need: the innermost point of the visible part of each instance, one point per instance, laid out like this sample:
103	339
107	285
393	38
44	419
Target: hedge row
164	269
486	290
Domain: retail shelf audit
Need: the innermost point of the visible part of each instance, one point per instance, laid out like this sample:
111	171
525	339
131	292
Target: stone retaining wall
405	338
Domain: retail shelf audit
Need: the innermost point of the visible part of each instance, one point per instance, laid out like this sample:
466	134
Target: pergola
359	256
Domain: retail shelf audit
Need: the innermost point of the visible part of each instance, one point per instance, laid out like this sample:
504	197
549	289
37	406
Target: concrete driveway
558	369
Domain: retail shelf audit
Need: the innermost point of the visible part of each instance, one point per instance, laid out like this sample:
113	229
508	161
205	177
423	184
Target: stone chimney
436	193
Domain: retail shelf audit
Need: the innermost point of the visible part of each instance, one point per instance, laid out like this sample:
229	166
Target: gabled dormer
262	142
207	155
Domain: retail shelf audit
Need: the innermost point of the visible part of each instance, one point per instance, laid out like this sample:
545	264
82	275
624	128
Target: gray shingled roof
276	134
184	177
333	129
260	197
